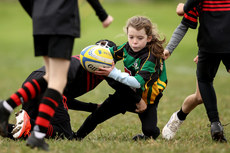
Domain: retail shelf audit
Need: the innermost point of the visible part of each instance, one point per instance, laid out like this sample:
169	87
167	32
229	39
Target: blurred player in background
213	42
55	26
79	82
103	16
189	21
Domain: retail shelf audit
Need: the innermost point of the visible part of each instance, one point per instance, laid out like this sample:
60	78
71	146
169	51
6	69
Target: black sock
181	115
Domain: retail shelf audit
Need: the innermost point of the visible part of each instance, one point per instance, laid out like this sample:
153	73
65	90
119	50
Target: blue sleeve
124	78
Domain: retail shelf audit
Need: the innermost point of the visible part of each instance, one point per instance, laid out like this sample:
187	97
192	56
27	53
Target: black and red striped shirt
79	80
214	29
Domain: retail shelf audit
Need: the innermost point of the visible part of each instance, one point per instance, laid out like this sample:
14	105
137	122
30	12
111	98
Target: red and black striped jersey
216	6
191	4
214	29
214	20
80	81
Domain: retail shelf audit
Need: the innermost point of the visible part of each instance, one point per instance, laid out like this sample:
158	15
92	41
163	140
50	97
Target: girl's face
137	39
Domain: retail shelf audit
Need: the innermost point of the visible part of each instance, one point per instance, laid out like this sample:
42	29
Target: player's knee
199	100
151	132
228	70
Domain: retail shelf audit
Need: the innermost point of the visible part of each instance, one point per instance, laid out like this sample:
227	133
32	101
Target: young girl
145	73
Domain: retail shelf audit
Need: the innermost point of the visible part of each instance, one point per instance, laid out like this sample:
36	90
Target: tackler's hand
141	106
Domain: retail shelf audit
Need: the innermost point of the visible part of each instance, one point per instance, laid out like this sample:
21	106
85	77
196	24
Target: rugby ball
95	56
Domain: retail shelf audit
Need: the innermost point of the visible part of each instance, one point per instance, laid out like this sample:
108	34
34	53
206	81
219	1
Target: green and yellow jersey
149	71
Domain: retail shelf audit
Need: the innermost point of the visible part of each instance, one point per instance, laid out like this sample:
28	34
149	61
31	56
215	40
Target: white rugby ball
95	56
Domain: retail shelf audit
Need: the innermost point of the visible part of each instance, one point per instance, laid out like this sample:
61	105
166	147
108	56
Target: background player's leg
109	108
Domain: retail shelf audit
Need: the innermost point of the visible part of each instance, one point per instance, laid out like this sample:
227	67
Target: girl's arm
124	78
117	75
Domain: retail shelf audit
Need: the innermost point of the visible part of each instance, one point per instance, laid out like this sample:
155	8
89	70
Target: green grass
114	136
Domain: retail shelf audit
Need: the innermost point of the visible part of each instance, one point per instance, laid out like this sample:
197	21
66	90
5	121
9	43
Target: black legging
116	104
207	67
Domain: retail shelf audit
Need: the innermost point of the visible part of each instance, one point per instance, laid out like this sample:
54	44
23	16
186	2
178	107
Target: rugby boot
22	126
140	137
34	142
217	132
173	125
4	117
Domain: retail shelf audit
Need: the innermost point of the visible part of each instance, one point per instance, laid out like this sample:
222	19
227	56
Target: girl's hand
141	106
104	71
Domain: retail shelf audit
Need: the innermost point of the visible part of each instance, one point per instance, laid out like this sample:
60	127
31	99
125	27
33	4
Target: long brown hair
156	44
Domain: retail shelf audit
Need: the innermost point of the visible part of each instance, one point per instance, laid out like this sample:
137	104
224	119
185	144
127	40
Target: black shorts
56	46
226	61
208	64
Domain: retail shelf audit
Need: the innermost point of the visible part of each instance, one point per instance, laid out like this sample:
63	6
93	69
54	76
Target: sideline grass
114	136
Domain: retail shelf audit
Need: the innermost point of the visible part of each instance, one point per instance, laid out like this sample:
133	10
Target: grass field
114	136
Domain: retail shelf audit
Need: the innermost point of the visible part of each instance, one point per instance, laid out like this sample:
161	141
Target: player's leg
75	104
109	108
225	59
206	70
25	122
51	99
149	123
117	103
124	91
29	90
58	128
27	5
59	53
190	103
60	131
177	118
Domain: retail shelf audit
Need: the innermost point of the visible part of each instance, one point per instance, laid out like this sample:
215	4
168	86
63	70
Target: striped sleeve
190	4
190	19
